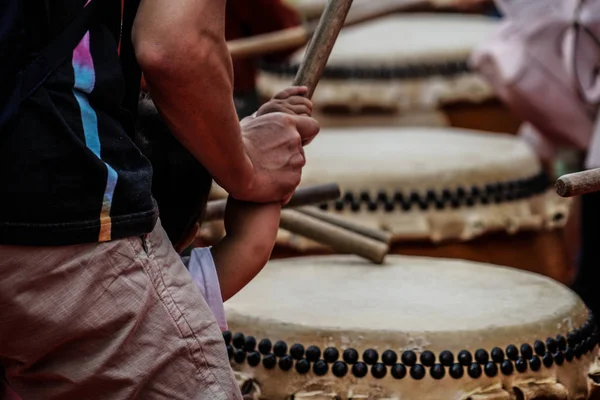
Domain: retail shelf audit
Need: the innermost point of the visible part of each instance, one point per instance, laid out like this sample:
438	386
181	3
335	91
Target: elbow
174	53
160	57
152	57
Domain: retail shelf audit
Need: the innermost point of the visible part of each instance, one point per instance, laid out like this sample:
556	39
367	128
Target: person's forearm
183	54
239	257
236	265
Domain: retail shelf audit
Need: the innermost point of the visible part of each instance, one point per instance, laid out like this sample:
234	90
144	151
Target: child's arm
251	230
246	248
223	270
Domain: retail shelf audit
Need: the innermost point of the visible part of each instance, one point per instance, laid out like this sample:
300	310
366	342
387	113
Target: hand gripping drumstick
578	183
215	209
300	35
309	73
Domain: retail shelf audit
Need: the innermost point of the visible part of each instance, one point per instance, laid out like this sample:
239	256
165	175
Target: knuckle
297	141
287	119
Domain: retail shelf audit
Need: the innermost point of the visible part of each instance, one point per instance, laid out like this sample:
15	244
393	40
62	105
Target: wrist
238	179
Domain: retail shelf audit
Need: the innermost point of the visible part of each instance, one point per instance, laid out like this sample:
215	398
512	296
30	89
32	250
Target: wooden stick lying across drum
376	234
340	239
215	209
578	183
300	35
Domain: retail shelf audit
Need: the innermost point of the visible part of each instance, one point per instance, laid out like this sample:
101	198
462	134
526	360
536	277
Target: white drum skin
426	65
411	305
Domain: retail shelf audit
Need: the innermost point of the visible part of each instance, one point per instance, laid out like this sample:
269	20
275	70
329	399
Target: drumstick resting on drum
340	239
578	183
377	234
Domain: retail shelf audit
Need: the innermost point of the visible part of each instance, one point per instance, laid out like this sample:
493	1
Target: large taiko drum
442	192
312	9
339	328
395	67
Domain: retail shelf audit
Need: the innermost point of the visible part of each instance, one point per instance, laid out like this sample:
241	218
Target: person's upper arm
181	48
169	25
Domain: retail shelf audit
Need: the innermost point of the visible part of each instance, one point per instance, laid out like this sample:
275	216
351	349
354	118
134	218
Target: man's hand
274	144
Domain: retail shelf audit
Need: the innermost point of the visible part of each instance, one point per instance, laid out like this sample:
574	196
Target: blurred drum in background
312	9
441	192
405	69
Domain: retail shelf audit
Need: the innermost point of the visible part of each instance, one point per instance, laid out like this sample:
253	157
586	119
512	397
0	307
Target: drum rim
449	68
458	197
532	356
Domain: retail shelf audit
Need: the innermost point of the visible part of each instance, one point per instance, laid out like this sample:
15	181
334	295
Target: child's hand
289	101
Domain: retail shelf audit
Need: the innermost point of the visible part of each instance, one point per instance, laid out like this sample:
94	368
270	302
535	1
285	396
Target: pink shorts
115	320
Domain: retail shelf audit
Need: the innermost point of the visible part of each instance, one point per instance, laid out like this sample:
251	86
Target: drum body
441	192
396	66
337	327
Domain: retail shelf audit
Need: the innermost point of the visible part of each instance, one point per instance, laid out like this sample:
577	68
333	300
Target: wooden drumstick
300	35
377	234
310	71
320	45
578	183
215	209
341	240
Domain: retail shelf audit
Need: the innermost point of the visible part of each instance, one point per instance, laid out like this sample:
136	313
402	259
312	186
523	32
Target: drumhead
403	39
314	8
406	61
415	159
343	293
432	184
413	328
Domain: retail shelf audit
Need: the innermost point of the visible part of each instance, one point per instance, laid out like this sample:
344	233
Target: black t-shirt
69	171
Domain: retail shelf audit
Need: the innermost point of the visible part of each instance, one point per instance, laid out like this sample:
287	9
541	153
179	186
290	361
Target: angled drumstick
578	183
309	73
320	46
300	35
